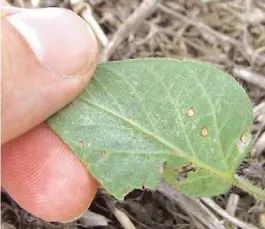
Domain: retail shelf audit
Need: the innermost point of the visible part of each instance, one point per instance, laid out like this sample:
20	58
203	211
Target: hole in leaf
182	172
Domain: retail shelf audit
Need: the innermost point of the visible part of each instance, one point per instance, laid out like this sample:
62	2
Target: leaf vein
143	106
180	153
214	118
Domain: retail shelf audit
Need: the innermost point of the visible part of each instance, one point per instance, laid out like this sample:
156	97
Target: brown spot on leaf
190	112
143	187
204	132
186	168
243	141
81	144
103	155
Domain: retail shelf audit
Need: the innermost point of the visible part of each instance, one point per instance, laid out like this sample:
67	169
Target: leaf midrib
179	152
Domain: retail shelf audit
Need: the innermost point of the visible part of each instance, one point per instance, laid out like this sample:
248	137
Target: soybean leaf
140	121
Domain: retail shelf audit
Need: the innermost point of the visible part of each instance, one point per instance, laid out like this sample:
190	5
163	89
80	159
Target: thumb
48	57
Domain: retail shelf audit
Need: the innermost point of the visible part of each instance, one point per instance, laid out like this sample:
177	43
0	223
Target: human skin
47	57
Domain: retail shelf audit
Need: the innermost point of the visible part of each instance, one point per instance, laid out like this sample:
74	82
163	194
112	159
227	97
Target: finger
48	57
43	176
4	3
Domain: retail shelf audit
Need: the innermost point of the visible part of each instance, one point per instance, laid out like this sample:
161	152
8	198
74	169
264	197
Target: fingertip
61	40
49	56
43	176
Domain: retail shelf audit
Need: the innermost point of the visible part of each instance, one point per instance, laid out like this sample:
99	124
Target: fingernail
60	39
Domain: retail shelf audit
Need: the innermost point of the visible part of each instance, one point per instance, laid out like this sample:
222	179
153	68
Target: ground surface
230	34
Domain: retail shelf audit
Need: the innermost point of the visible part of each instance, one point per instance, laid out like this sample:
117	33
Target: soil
229	34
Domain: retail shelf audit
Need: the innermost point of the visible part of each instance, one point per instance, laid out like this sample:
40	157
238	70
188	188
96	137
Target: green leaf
140	121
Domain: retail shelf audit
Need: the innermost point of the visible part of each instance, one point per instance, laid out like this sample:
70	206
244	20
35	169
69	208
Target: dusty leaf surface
142	120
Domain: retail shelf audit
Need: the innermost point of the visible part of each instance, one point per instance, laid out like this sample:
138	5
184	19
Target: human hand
48	57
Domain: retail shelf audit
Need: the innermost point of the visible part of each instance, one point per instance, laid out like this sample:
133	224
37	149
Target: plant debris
228	34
